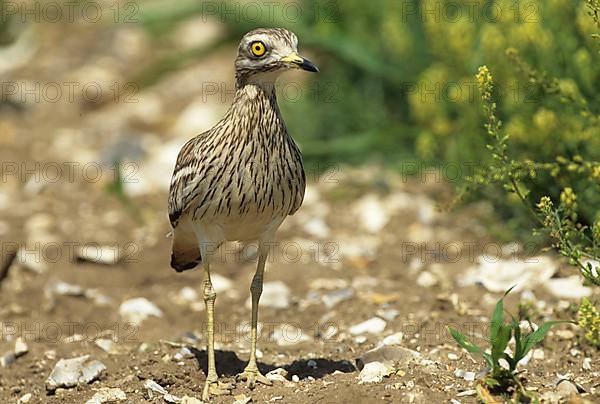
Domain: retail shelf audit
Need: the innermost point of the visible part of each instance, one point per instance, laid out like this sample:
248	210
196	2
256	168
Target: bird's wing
299	196
187	176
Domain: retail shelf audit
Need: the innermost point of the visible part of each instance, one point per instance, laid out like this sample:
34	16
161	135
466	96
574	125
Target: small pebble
538	354
452	356
20	347
374	372
277	375
106	395
374	325
468	376
426	279
360	339
295	378
7	359
74	372
467	393
566	388
565	334
242	399
155	387
394	339
587	364
25	399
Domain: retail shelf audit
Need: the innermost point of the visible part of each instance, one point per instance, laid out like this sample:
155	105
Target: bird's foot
213	387
251	375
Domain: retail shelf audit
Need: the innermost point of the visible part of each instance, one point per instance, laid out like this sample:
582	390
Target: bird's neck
257	96
256	105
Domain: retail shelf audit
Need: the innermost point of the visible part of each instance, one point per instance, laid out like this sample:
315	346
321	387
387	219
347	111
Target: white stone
331	299
190	400
317	227
498	275
107	345
360	339
221	283
468	376
568	288
288	334
328	283
394	339
374	372
242	399
107	395
98	254
277	375
275	295
587	364
66	289
374	325
25	398
73	372
138	309
388	314
371	213
154	387
21	347
426	279
186	296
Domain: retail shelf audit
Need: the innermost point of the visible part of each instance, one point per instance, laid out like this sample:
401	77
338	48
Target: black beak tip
309	66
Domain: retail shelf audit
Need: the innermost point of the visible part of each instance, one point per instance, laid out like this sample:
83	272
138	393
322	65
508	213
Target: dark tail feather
185	254
182	265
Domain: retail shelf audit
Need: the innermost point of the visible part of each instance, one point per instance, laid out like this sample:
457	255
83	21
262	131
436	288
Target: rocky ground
369	262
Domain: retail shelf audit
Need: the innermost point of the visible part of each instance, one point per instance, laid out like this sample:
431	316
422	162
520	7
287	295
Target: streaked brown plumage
240	179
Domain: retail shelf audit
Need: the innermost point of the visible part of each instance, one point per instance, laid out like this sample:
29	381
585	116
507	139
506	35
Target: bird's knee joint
209	291
256	287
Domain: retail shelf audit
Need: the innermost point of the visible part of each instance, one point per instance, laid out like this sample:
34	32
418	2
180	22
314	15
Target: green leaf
497	320
518	355
538	336
499	332
500	343
469	346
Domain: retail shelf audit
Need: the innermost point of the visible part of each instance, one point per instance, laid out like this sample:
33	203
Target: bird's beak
300	62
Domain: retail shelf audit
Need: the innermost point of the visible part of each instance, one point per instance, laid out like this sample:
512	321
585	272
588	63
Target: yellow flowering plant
572	238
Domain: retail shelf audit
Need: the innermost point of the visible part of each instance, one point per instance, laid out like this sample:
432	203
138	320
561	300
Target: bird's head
266	52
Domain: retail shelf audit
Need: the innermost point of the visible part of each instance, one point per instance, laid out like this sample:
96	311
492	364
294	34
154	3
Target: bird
239	181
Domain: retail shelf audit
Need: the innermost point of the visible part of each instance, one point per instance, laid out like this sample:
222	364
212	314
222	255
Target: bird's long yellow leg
251	374
212	385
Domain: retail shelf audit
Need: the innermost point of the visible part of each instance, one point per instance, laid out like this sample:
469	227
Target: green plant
589	321
576	241
502	379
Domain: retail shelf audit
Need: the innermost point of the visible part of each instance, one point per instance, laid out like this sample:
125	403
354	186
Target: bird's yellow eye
258	48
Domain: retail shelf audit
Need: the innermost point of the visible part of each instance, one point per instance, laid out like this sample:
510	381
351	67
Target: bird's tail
185	254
